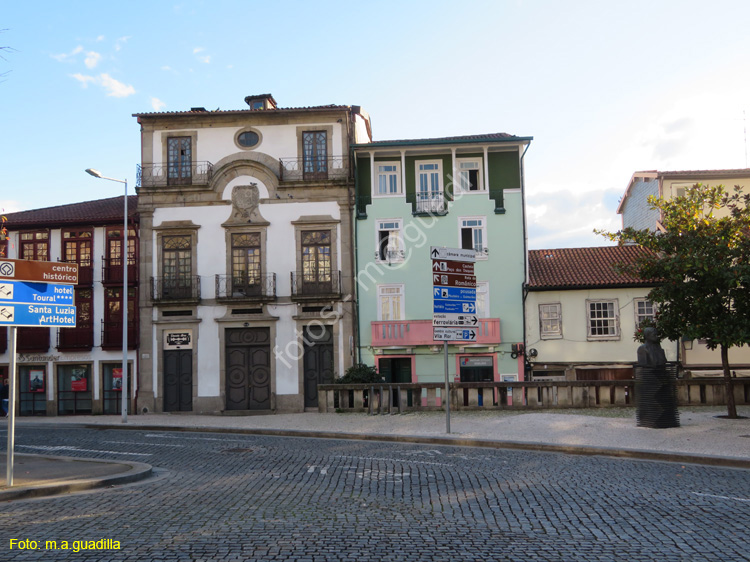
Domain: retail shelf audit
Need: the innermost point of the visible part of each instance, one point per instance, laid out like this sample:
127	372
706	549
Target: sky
605	88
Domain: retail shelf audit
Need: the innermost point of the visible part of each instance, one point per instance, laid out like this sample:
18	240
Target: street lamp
124	258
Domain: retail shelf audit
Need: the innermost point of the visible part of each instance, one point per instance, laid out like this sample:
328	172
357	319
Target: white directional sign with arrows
454	294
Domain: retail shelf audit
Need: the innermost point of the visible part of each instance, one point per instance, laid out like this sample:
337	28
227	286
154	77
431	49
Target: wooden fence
533	395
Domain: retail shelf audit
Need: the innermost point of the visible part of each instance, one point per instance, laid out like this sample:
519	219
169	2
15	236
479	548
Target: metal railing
112	335
162	174
85	272
430	203
241	288
316	285
176	289
80	337
112	271
312	169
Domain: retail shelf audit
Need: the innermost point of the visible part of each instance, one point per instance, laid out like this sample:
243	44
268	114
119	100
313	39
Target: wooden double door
248	368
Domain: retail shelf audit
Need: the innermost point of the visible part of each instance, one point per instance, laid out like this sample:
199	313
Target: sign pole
447	398
11	406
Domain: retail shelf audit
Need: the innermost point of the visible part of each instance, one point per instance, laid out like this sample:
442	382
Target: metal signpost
32	293
454	310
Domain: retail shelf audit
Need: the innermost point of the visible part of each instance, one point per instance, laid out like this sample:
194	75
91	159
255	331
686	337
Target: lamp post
124	258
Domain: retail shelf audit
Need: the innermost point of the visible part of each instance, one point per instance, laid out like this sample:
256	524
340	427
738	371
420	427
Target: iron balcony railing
80	337
163	174
32	339
311	169
430	203
85	272
112	335
171	289
239	287
316	285
112	271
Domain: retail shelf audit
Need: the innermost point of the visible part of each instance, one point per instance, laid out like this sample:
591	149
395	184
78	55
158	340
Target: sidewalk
702	437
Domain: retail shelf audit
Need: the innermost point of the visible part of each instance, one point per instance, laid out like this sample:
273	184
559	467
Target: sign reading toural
31	293
454	254
454	334
39	271
48	315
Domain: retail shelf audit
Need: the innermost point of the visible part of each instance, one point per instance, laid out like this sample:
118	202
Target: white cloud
157	104
206	59
167	68
68	57
120	41
198	50
100	39
92	59
114	88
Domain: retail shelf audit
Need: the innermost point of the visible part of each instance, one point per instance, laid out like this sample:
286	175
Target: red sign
116	379
36	380
448	280
39	271
446	266
78	382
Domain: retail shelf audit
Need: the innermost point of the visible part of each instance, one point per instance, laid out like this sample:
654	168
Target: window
315	155
550	321
389	245
603	319
177	266
112	325
179	160
246	263
248	139
483	299
644	309
77	246
429	187
391	302
388	178
35	245
316	257
470	175
113	255
474	235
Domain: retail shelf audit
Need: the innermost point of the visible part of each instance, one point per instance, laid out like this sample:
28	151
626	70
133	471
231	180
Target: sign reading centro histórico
39	271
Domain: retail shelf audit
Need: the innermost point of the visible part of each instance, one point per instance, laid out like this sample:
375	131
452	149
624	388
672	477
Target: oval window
248	139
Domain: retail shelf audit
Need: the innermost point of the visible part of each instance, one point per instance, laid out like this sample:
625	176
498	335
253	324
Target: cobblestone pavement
237	497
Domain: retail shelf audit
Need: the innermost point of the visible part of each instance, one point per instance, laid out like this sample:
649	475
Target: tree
701	265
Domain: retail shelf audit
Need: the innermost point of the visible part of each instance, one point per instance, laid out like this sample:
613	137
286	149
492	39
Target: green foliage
701	262
359	374
638	335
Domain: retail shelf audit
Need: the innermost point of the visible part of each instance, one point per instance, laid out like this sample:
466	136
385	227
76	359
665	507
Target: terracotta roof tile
434	140
240	111
580	268
100	211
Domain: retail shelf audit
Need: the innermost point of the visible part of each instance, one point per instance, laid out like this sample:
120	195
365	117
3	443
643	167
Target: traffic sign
448	280
454	334
454	307
40	293
49	315
454	320
452	293
39	271
446	266
454	254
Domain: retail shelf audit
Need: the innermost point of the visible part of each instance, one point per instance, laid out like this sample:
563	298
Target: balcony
180	289
80	338
85	273
112	271
411	333
314	169
232	288
162	175
320	286
112	335
430	204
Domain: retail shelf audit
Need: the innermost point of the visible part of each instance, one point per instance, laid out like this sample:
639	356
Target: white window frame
480	253
386	175
639	316
394	293
462	178
615	320
550	313
431	200
395	252
483	302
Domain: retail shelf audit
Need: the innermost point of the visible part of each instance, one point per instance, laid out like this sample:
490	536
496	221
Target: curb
138	471
637	454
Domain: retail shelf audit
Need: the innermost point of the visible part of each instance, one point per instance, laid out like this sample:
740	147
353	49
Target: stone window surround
193	135
176	228
245	130
316	222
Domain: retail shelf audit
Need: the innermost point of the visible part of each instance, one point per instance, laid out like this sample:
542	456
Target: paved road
234	497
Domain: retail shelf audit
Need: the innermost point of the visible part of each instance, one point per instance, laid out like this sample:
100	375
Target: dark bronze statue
655	389
650	354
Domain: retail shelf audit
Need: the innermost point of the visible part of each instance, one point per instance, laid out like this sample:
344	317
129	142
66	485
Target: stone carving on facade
245	199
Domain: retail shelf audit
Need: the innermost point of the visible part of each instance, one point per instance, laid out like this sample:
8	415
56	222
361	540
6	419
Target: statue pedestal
656	396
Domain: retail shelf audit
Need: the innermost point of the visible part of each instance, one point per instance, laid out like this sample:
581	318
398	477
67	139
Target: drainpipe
355	287
525	253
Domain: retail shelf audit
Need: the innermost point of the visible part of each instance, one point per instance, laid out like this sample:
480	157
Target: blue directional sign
26	314
453	307
454	294
35	293
454	334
